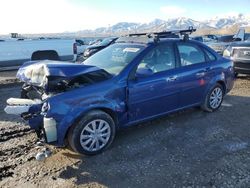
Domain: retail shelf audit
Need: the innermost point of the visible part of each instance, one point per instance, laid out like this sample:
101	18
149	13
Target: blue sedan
139	78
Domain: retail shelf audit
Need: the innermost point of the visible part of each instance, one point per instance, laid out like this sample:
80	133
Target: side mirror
143	72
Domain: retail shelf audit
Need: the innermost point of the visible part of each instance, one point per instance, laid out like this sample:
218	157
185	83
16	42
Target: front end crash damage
42	81
46	78
29	110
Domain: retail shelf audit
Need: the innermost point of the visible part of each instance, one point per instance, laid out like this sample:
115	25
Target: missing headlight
45	107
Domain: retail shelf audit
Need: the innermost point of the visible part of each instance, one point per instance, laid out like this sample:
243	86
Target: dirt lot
7	77
186	149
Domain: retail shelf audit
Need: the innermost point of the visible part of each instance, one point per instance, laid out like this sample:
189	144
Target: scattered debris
40	156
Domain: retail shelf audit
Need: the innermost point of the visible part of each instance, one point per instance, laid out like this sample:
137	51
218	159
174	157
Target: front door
156	91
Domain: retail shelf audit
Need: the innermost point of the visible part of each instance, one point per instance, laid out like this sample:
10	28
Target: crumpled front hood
36	72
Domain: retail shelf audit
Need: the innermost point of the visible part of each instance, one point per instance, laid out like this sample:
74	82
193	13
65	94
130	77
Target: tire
210	104
84	135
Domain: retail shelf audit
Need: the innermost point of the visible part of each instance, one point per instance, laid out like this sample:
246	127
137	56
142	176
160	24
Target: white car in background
13	53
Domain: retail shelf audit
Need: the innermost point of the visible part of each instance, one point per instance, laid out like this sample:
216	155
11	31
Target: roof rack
156	36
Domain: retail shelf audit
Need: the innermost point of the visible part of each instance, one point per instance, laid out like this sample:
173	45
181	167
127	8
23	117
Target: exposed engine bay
47	78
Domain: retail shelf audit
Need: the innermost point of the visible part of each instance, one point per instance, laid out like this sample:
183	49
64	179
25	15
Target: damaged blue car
140	77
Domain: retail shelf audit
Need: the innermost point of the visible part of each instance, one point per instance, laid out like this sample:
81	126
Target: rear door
156	93
194	72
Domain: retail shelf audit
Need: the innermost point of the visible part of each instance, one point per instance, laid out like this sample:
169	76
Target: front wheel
213	99
92	134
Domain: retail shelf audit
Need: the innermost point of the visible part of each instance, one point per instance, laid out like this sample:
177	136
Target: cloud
228	14
172	11
43	16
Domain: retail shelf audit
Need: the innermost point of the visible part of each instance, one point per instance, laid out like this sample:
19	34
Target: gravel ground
7	77
186	149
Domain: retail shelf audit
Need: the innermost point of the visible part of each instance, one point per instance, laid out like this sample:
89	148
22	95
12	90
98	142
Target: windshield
114	58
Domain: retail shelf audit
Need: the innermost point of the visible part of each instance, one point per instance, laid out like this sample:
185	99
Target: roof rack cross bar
181	32
156	36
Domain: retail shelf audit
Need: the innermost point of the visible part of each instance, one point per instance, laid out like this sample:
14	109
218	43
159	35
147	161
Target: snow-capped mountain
229	21
176	23
180	23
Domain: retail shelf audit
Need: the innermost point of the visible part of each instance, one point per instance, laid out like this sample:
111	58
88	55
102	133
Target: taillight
75	48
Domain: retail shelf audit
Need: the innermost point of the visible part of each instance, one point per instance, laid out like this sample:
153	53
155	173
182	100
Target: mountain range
170	24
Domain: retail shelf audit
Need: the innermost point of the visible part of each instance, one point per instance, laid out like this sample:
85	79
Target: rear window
210	56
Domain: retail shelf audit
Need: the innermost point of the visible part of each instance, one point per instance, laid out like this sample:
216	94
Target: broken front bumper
31	111
18	106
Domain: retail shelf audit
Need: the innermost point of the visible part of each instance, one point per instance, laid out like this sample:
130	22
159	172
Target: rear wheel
92	134
213	99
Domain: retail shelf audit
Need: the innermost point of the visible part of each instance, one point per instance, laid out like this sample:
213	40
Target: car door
153	91
194	73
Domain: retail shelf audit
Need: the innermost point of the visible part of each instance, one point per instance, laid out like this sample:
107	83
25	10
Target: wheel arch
212	83
223	84
108	111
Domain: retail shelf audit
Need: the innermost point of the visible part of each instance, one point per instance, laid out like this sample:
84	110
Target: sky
52	16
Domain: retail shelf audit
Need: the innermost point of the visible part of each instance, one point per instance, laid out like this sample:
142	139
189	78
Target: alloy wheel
95	135
216	98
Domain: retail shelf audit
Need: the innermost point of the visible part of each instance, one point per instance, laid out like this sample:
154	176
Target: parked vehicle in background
140	77
81	45
226	40
240	54
92	49
13	53
96	41
213	37
205	38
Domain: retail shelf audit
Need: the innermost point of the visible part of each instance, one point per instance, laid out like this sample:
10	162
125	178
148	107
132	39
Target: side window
159	59
210	56
190	54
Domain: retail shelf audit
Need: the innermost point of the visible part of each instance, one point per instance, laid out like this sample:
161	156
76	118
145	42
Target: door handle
172	78
200	74
203	72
